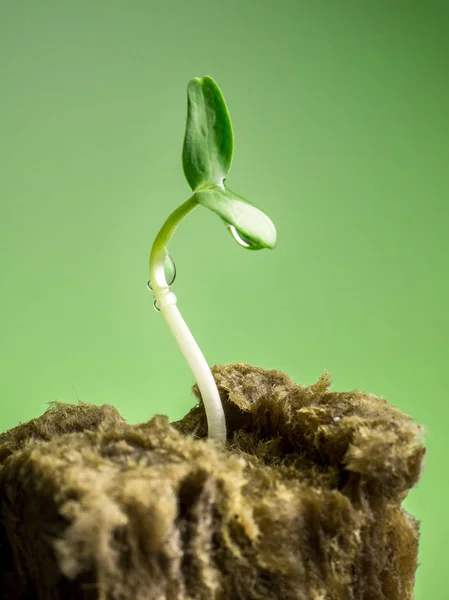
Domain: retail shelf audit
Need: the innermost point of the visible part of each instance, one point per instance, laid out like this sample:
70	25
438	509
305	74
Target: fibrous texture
303	504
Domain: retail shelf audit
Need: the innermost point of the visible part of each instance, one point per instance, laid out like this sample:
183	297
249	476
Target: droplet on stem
169	269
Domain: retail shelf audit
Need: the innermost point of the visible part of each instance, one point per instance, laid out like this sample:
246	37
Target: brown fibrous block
304	503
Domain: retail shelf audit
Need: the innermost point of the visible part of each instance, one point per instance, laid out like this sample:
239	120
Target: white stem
166	302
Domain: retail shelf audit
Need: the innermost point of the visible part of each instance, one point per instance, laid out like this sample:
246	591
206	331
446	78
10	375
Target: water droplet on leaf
169	269
243	240
156	306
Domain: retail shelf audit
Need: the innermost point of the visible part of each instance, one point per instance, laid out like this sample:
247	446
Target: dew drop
243	240
156	306
169	269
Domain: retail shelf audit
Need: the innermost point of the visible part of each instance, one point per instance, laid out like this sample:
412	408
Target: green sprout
206	158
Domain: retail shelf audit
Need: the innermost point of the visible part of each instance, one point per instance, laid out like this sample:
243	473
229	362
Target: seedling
206	159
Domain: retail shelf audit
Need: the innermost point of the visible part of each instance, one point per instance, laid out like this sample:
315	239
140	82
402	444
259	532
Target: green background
340	112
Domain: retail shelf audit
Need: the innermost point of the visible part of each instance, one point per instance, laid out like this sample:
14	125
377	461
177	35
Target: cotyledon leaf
253	229
208	142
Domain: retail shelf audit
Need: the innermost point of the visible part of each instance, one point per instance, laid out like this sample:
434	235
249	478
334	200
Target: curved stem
166	302
159	249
